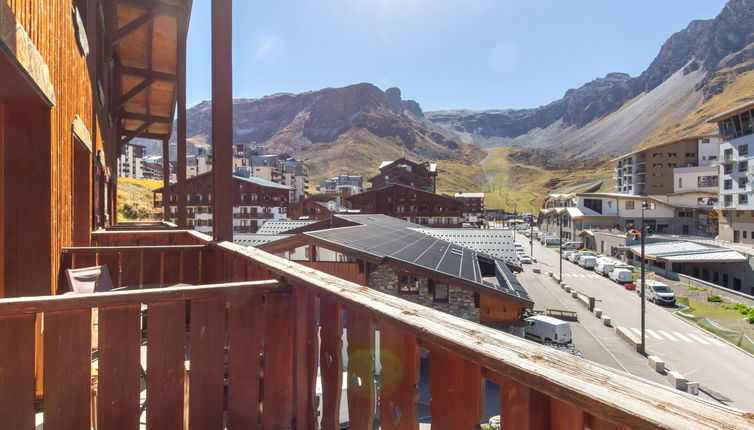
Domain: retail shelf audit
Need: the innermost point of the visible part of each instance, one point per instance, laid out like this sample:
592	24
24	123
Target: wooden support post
166	179
400	375
181	116
222	120
2	199
457	390
520	406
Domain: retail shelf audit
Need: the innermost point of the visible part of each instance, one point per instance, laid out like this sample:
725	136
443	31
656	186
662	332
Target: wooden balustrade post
277	395
399	357
331	361
305	353
361	386
457	389
520	406
246	326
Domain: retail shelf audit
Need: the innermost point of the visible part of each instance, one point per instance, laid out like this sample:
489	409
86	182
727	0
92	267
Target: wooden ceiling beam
144	73
158	7
134	91
145	117
154	136
132	26
131	135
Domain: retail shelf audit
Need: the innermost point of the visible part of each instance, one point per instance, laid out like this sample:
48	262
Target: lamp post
531	238
560	245
642	231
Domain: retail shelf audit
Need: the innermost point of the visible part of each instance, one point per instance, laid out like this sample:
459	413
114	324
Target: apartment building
655	170
672	214
342	184
736	170
473	206
256	200
410	204
131	161
406	172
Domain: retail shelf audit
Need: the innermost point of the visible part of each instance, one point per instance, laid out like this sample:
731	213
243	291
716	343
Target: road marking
697	338
636	330
682	337
668	335
653	334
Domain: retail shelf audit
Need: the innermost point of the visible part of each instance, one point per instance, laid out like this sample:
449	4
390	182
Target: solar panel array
256	239
383	236
497	243
282	226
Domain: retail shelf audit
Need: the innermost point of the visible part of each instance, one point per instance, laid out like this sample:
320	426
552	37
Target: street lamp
560	244
643	230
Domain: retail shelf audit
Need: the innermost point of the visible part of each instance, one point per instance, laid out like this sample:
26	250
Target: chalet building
473	206
657	170
391	256
736	170
320	206
255	201
131	162
410	204
342	184
677	213
406	172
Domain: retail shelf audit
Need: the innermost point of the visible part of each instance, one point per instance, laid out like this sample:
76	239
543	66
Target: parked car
544	237
657	292
547	329
525	259
622	276
587	261
566	254
551	241
604	266
573	245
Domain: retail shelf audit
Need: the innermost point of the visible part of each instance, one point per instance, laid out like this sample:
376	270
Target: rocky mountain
342	130
611	115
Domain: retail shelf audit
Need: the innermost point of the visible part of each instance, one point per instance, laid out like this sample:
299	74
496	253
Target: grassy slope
528	184
135	199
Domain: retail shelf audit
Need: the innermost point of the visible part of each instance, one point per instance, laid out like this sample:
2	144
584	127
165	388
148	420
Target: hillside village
341	258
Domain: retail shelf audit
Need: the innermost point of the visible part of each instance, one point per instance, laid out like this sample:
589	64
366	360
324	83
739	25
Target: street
723	371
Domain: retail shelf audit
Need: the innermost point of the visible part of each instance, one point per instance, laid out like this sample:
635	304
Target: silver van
544	328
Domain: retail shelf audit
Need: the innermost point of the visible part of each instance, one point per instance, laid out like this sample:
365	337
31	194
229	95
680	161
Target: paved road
724	372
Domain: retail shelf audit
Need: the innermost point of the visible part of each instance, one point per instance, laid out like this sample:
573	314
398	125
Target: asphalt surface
723	371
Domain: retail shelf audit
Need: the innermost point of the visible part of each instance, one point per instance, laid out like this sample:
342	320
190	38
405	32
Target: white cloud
503	57
270	49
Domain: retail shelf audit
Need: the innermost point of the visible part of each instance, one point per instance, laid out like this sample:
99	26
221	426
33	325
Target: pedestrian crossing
583	275
675	336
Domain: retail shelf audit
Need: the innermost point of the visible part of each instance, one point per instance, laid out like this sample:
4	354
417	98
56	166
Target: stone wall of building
461	302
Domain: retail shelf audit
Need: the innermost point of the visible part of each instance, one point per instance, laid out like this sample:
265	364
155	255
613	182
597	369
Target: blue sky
445	54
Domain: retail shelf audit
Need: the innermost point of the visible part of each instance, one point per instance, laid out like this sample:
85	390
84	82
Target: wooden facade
406	172
410	204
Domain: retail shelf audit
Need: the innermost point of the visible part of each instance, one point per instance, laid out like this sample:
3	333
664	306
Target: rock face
705	46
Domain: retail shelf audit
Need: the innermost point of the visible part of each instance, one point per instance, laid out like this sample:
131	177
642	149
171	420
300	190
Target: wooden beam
135	133
141	86
154	136
222	120
145	117
181	118
157	7
132	26
166	179
144	73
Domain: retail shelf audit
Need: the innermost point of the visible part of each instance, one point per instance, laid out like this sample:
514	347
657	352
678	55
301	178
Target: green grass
714	311
691	287
714	298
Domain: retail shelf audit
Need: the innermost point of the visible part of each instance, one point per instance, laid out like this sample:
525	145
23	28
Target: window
728	169
706	181
705	140
743	150
593	204
743	166
742	200
728	184
408	284
630	205
657	155
672	154
439	291
691	155
742	182
680	183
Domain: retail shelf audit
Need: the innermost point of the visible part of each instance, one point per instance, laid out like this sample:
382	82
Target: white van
547	329
587	261
622	276
604	267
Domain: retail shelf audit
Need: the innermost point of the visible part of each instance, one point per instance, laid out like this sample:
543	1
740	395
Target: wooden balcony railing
255	349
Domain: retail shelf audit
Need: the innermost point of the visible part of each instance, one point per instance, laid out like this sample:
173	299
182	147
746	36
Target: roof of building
731	112
470	195
384	237
676	140
432	167
256	239
272	227
495	242
687	252
395	184
264	182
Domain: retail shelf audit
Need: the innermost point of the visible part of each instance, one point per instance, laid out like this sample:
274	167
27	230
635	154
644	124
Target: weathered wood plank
28	305
151	268
130	263
399	354
171	272
565	417
520	406
595	423
361	387
207	355
192	265
305	358
112	261
456	386
331	361
17	372
277	392
67	369
118	367
165	370
245	325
